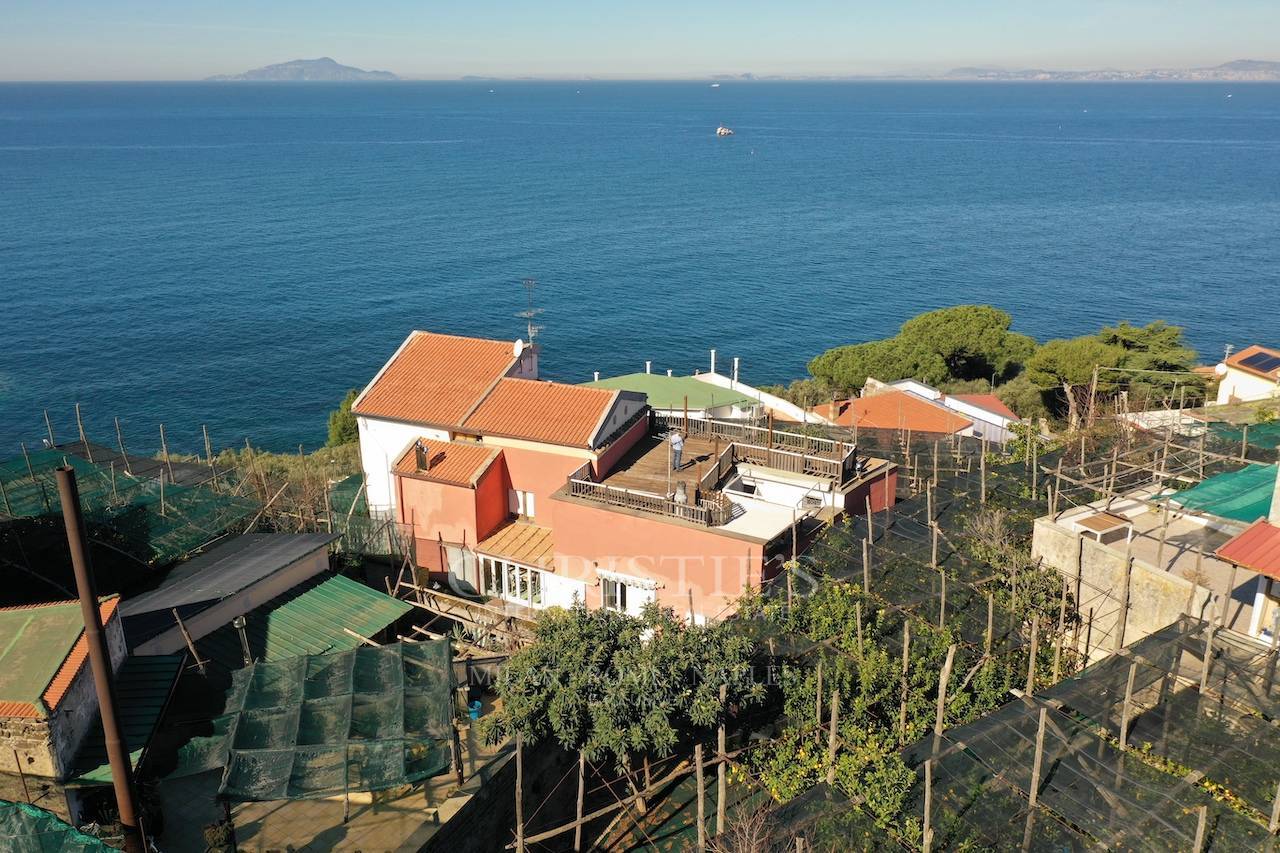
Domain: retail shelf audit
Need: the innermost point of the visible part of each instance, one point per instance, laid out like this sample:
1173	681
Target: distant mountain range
323	69
1242	70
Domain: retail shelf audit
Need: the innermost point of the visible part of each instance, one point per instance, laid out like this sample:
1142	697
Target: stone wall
1096	576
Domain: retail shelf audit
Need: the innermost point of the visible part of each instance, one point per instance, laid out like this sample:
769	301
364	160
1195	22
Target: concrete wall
382	442
46	747
1096	576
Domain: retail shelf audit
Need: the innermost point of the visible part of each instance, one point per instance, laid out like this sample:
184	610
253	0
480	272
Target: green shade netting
1266	435
27	829
365	719
1243	495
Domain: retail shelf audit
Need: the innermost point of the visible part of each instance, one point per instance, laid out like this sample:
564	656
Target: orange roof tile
521	542
1257	548
1236	360
460	463
894	410
68	669
989	402
436	379
542	411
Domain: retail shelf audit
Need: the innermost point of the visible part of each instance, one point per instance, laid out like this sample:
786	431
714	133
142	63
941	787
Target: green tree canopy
964	342
1067	364
621	687
342	422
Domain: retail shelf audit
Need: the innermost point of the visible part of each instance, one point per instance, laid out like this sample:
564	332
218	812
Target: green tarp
315	726
27	829
1266	436
1243	495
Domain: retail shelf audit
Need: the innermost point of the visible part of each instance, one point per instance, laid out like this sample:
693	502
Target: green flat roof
143	687
34	641
1243	495
306	620
669	392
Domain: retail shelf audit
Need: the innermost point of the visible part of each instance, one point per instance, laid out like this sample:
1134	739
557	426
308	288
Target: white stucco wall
559	591
777	404
1244	387
381	444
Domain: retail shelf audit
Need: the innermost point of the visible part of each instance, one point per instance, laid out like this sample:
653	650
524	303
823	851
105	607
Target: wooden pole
928	497
186	635
722	784
520	791
831	737
164	449
983	467
1031	659
1201	821
84	440
690	607
1208	659
702	793
1164	534
817	695
1128	705
208	445
1122	618
1036	763
1226	603
123	454
991	622
582	777
48	425
1244	439
1274	825
942	695
26	793
928	805
871	527
906	661
866	566
933	533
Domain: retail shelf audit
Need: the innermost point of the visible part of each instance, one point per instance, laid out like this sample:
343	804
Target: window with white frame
511	581
613	595
520	503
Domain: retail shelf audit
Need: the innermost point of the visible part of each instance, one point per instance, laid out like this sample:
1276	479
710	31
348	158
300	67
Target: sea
239	255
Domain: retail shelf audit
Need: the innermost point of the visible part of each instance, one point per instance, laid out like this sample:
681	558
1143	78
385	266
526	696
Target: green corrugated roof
34	641
143	687
307	620
668	392
1243	495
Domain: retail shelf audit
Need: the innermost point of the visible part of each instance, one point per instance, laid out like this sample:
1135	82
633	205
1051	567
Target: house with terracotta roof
48	704
1249	375
909	404
539	493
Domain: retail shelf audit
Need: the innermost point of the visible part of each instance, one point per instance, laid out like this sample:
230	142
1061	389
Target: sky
647	39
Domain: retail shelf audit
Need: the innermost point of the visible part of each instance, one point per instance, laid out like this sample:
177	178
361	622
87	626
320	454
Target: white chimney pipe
595	376
735	368
713	361
668	371
648	367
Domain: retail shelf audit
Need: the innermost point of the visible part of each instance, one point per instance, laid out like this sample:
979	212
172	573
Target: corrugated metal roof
458	462
521	542
42	649
143	687
227	569
307	620
1257	548
436	379
542	411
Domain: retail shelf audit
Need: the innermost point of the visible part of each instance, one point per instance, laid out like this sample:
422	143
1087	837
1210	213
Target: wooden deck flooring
645	467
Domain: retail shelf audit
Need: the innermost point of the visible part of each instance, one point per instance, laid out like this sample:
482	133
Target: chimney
648	367
1274	516
713	361
668	371
595	376
420	455
735	368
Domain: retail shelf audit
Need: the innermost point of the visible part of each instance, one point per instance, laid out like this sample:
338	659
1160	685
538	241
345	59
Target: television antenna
529	314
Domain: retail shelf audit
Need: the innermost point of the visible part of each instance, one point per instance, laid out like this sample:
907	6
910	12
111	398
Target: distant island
323	70
1242	70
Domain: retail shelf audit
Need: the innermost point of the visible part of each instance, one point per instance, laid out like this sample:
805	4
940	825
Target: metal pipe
99	660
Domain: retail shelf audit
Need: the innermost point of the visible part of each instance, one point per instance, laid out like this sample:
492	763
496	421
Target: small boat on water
715	85
723	131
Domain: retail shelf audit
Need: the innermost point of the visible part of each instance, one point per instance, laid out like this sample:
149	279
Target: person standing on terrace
677	449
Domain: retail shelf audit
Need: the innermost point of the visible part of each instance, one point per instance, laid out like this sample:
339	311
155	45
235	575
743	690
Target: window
520	503
613	594
520	584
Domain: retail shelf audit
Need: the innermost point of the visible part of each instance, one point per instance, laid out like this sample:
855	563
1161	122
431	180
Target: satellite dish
1220	369
517	347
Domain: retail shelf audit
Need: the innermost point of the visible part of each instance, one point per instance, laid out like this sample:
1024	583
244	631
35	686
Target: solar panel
1262	361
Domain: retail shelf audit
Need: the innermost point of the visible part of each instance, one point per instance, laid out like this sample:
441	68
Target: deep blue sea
241	254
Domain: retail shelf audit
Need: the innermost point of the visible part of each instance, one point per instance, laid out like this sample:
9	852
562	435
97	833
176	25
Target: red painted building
540	492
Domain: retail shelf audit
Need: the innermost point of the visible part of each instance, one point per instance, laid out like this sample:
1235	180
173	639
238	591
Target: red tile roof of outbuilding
895	410
459	463
1257	548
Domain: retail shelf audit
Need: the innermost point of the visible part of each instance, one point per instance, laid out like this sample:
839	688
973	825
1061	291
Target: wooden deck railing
760	436
718	471
709	514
